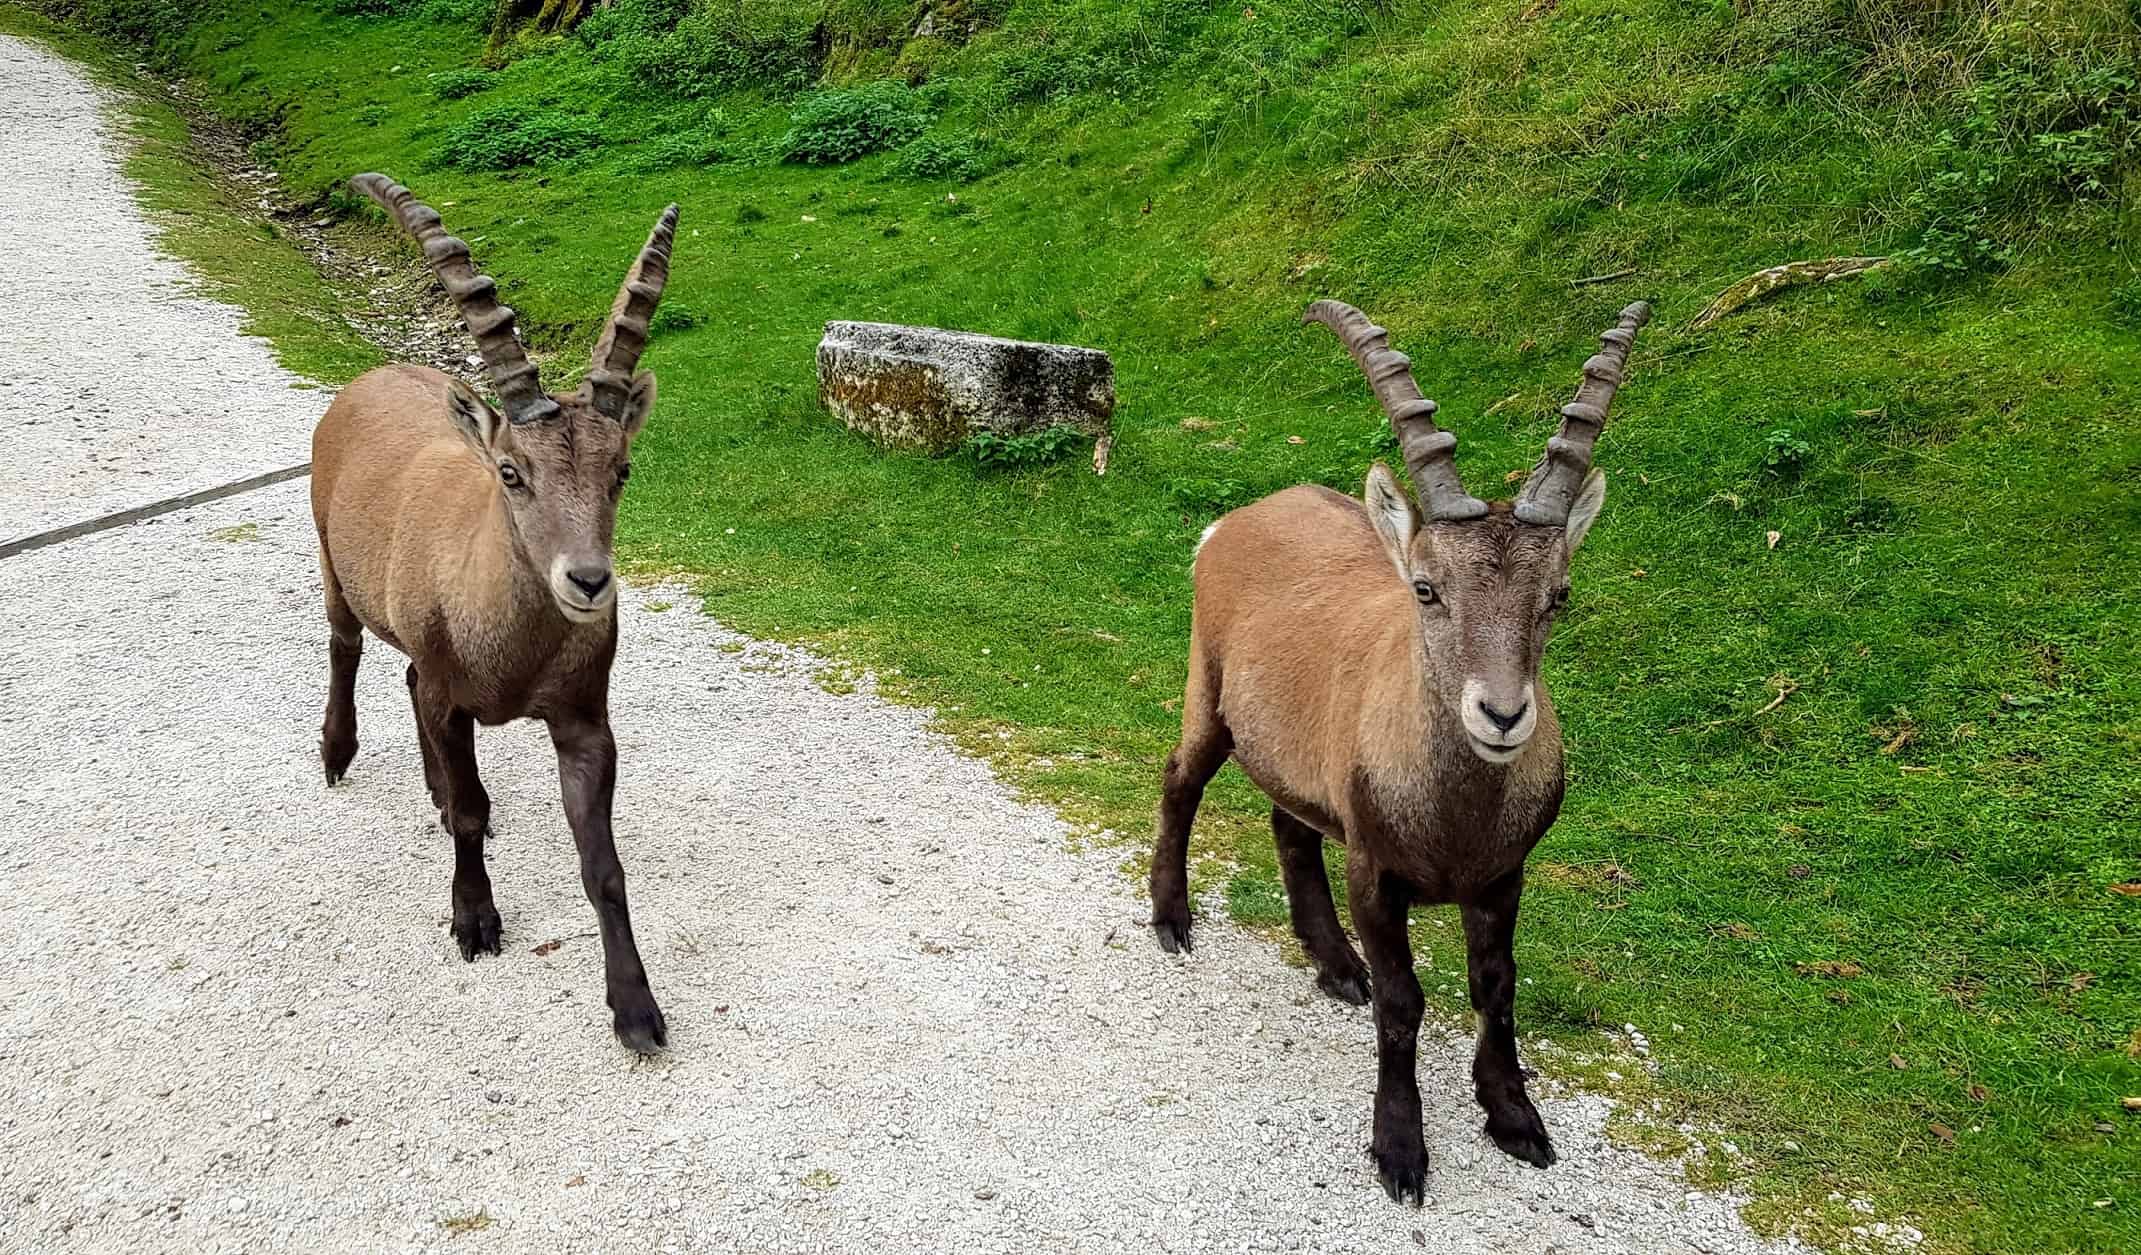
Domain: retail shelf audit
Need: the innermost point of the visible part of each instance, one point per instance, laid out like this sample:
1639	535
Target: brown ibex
479	545
1378	676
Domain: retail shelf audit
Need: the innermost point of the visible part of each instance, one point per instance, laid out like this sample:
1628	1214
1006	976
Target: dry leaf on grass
2131	889
1943	1132
1978	1093
1896	1062
547	947
2131	1104
1829	967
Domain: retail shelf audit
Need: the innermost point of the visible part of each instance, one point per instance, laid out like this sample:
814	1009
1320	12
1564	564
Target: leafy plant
958	158
1784	453
2038	128
508	136
840	125
2126	303
1024	451
456	84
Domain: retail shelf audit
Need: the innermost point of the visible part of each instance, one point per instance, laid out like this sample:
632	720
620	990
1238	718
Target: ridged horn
624	337
512	374
1559	475
1430	453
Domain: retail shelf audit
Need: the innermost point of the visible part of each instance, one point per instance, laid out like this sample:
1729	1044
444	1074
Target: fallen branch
1785	686
1791	274
1588	280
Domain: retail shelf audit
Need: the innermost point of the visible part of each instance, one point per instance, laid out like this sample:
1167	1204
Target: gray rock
927	388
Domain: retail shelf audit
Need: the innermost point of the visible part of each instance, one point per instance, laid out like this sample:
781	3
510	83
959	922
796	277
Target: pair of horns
1431	453
624	336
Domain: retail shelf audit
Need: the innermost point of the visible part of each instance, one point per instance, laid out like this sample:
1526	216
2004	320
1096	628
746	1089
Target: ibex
1377	676
479	545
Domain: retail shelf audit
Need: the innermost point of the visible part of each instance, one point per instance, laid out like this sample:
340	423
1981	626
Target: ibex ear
638	404
472	415
1395	520
1584	512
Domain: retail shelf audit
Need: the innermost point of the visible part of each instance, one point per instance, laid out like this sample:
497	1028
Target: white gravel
904	1015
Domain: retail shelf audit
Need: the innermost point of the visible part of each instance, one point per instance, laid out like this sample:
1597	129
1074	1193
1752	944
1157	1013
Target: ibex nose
1500	720
590	580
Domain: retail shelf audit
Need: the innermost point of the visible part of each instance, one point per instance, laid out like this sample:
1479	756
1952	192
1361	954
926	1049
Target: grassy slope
1950	605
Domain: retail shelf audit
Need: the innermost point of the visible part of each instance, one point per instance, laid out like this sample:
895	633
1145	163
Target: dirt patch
386	293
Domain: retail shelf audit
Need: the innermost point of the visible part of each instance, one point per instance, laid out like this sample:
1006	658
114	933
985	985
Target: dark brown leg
345	646
1189	769
1339	971
450	738
587	774
1379	903
1512	1121
434	779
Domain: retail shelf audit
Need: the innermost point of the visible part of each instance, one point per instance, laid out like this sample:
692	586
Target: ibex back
1377	674
478	544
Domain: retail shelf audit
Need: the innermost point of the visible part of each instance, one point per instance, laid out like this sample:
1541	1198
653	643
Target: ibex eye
1424	591
1561	596
509	475
624	472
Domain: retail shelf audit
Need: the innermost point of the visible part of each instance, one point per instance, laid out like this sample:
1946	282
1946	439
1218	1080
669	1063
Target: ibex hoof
335	758
1403	1172
1173	933
1348	987
1523	1136
476	931
642	1029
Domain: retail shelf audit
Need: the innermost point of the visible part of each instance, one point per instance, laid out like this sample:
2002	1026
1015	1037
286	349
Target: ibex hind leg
434	775
1339	971
1205	744
449	737
345	646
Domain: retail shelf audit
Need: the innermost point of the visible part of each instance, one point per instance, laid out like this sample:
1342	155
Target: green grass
1947	456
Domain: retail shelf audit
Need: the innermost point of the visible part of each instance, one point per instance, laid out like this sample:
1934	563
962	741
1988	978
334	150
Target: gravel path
904	1015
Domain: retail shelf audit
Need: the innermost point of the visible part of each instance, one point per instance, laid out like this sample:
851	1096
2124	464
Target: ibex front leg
1380	903
449	740
587	772
1512	1121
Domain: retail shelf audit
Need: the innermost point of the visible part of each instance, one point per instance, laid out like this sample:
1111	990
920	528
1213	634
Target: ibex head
1487	580
560	460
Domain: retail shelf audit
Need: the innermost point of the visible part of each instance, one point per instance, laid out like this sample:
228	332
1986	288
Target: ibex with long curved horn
1378	676
479	546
